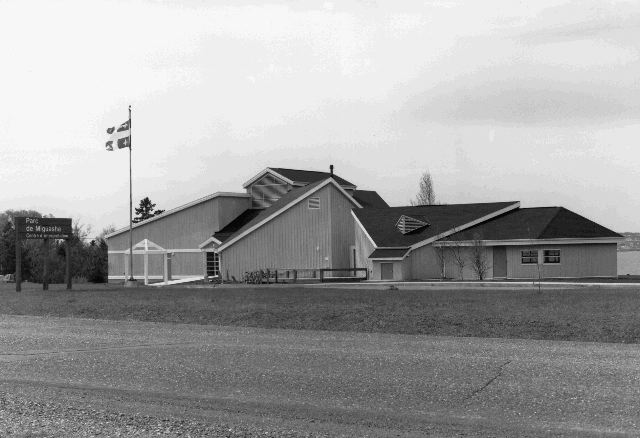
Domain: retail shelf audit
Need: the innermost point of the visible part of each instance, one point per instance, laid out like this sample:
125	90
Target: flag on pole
120	137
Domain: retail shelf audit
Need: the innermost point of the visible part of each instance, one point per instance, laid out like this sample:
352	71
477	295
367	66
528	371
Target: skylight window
407	224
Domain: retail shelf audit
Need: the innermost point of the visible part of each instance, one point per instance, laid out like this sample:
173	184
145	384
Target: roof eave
178	209
265	172
208	241
454	230
519	242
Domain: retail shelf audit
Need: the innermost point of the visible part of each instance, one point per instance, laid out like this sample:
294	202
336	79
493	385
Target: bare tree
441	260
426	193
458	254
479	261
106	230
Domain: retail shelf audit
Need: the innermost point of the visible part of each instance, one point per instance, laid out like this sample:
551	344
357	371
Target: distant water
628	262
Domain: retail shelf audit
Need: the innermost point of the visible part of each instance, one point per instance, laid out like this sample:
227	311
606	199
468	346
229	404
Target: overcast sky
500	100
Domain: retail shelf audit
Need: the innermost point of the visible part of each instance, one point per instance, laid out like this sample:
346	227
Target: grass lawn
583	314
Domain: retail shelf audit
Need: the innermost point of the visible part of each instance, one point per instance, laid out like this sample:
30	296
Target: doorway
499	262
386	271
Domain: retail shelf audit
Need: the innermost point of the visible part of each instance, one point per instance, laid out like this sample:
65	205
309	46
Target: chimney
331	170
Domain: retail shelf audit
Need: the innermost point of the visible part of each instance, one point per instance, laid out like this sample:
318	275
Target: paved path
78	377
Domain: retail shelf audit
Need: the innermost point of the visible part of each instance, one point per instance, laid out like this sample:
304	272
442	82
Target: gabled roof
380	223
369	198
389	253
237	224
180	208
287	201
536	223
299	177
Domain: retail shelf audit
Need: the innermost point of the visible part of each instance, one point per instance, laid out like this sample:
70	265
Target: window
551	256
529	257
314	203
213	264
266	191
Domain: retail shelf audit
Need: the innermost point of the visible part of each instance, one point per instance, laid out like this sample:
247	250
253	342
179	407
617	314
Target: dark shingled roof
236	224
536	223
388	253
309	176
369	198
380	223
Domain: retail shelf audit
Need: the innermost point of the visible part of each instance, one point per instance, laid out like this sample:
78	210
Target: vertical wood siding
424	263
182	264
185	229
584	260
399	270
452	270
364	248
342	230
116	264
299	238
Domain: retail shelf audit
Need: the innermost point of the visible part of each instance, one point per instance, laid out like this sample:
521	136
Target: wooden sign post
43	228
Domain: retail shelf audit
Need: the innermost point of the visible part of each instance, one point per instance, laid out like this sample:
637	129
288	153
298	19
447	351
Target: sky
537	102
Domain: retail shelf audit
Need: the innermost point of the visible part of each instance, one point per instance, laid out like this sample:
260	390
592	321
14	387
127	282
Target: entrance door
499	262
386	271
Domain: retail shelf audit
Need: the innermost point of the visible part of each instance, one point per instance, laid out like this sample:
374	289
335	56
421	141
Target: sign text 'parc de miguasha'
43	227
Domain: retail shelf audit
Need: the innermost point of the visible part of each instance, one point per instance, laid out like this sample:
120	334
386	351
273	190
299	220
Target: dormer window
407	224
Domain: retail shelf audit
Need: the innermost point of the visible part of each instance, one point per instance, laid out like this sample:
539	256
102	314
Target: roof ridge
558	209
446	205
301	170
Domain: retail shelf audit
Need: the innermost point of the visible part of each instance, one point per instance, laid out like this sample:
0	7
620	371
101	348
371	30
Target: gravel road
76	378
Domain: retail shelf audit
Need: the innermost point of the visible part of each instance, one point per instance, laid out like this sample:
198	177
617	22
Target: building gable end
287	207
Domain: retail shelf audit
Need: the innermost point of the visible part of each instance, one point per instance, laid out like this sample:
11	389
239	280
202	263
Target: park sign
43	228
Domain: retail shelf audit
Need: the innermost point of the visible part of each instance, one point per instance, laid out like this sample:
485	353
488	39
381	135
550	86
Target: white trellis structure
146	247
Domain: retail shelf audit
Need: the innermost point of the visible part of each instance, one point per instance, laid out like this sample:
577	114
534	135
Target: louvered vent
408	224
314	203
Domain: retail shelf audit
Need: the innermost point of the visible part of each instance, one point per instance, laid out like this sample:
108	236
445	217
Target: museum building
303	221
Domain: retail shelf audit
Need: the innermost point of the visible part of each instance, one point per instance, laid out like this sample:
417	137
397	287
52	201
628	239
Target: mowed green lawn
582	314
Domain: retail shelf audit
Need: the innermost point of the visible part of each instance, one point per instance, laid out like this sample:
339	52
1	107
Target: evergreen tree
146	210
7	249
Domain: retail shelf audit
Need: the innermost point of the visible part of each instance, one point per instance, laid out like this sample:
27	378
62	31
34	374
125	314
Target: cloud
617	22
602	28
527	102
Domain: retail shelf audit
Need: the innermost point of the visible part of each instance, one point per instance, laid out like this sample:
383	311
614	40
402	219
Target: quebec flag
120	137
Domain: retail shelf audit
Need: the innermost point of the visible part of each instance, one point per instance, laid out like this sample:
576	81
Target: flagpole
130	207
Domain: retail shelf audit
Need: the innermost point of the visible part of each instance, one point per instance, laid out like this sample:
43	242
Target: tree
106	230
7	249
442	259
479	261
459	257
8	243
426	193
146	210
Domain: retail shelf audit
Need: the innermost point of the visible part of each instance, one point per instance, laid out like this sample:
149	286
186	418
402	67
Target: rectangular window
552	256
529	257
314	203
213	264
